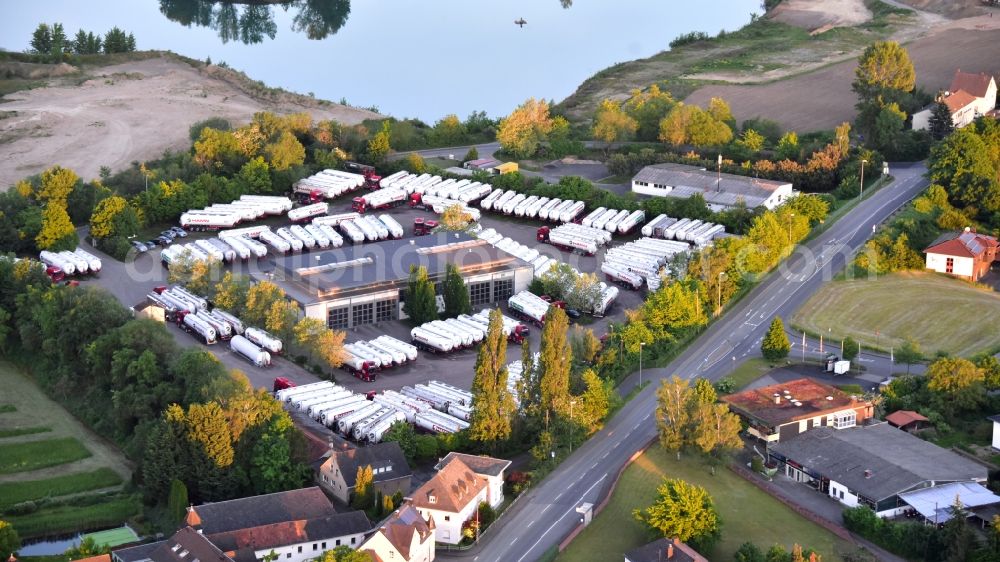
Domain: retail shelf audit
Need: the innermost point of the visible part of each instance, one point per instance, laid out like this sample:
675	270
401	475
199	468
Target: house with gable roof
390	471
403	536
967	255
488	467
451	498
969	96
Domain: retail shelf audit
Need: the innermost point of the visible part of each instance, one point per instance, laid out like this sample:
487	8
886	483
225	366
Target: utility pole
861	192
718	186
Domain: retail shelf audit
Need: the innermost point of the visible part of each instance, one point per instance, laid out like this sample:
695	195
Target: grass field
939	313
32	455
17	492
19	431
70	519
7	408
114	537
749	371
748	513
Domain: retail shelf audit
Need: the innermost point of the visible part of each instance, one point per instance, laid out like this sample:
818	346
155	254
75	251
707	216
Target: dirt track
823	99
127	112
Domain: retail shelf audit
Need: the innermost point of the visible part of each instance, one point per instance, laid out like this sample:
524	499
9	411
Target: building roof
974	84
98	558
900	418
965	244
399	528
656	551
876	461
286	533
994	418
690	180
480	464
385	455
795	400
136	553
482	163
187	545
935	503
385	265
257	511
958	100
451	489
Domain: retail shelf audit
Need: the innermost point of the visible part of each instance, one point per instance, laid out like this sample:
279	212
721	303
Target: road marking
514	541
593	466
556	522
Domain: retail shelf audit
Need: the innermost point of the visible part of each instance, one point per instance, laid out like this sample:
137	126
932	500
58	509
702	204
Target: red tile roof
959	99
900	418
400	527
975	84
804	399
451	489
962	244
98	558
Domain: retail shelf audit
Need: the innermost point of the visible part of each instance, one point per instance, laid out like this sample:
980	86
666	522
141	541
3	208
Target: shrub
688	38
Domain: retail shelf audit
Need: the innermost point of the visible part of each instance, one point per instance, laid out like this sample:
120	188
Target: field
939	313
749	514
48	479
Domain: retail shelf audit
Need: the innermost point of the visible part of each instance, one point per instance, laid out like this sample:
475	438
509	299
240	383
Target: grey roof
389	266
994	418
691	180
187	545
656	552
381	455
257	511
136	553
897	460
488	466
287	533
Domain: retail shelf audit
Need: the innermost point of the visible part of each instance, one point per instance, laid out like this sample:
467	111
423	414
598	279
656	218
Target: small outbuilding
907	420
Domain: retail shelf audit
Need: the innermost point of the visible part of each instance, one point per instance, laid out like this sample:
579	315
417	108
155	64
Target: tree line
51	42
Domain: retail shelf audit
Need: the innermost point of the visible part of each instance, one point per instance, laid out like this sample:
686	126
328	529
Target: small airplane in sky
520	22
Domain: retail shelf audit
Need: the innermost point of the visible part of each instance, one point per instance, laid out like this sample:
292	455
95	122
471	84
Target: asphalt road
548	512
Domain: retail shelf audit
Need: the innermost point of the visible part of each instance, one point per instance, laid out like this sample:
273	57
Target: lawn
33	455
17	492
748	513
70	519
19	431
939	313
7	408
749	371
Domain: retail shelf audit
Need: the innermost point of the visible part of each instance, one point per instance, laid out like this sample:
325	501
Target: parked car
151	244
164	240
169	233
572	313
140	247
179	231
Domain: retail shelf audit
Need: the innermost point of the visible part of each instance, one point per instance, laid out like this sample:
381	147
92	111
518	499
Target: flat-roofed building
721	191
364	284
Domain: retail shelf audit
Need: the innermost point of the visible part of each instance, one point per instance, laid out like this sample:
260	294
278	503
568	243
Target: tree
449	131
883	67
749	552
909	354
612	124
964	165
717	429
41	39
56	185
959	540
788	146
178	501
273	467
286	152
259	300
595	402
472	154
10	542
648	109
887	130
319	342
555	358
113	217
493	406
231	293
404	435
456	294
363	484
455	218
849	348
672	413
415	163
420	304
255	176
344	553
378	146
752	140
87	548
775	345
57	231
941	123
957	383
683	511
522	131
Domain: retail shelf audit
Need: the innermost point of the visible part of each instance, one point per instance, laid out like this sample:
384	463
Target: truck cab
543	234
358	204
281	383
422	226
56	274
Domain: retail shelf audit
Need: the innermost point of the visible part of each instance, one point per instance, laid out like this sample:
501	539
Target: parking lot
131	281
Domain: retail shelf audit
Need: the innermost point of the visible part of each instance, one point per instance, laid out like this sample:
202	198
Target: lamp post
642	344
861	192
571	403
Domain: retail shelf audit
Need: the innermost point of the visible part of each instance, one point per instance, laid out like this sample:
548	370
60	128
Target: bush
689	38
218	123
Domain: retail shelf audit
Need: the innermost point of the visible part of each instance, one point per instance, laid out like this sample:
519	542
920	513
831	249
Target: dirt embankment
814	15
117	114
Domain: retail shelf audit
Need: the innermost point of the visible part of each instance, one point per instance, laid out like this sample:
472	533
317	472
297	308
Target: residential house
996	431
487	467
875	465
721	191
907	420
967	255
390	471
98	558
777	412
664	550
450	499
186	545
404	536
969	96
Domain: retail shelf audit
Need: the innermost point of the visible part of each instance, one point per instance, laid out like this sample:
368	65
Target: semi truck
346	423
379	359
395	229
572	211
93	262
336	240
280	204
423	227
81	265
308	242
487	202
566	241
285	394
589	219
200	302
223	329
360	367
528	306
439	422
294	243
361	224
277	242
53	259
612	225
322	240
381	199
234	322
198	328
515	331
250	351
309	211
429	341
609	295
351	231
263	339
622	277
347	406
201	221
230	249
630	222
334	220
378	226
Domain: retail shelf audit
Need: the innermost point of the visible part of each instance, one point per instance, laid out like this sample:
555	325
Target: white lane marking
556	522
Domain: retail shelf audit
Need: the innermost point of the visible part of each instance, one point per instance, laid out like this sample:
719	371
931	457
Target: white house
405	536
970	96
390	471
721	191
996	431
488	467
967	255
450	499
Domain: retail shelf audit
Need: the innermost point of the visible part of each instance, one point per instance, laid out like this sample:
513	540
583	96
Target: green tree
10	542
420	304
749	552
775	345
415	163
940	123
286	152
456	295
909	354
272	464
255	176
177	502
958	384
612	124
113	217
752	140
449	131
648	108
555	359
322	344
883	67
788	146
87	548
673	415
231	293
959	540
363	485
378	146
850	348
404	435
260	299
493	406
344	553
521	132
595	402
57	231
886	132
472	154
683	511
964	165
41	39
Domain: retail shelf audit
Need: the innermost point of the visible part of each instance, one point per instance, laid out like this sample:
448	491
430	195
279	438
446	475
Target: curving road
547	513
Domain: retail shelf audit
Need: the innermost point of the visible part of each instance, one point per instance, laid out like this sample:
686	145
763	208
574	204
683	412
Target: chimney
777	398
670	551
868	473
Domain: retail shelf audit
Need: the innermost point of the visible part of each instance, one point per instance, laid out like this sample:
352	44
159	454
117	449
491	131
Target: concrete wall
309	550
842	494
962	267
996	435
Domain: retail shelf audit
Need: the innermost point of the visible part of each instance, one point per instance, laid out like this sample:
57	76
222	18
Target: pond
48	546
406	58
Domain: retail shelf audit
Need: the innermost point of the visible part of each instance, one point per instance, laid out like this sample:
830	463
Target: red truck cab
281	383
543	234
56	274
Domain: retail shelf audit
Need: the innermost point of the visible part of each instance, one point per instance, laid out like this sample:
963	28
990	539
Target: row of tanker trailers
77	262
463	332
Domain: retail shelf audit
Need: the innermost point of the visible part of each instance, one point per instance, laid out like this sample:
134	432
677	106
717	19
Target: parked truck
55	260
250	351
360	367
346	423
263	339
622	277
429	341
381	199
395	229
308	242
285	395
82	267
198	328
277	242
234	322
528	306
293	242
423	227
439	422
631	221
303	214
93	262
201	221
232	248
223	329
567	242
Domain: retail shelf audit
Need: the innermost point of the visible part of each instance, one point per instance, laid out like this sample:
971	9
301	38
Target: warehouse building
721	191
364	284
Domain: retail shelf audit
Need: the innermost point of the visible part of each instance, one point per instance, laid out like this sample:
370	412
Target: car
573	313
164	240
179	231
140	247
151	244
168	234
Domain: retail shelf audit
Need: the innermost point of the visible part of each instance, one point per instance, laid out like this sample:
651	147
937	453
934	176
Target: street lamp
571	403
861	192
642	344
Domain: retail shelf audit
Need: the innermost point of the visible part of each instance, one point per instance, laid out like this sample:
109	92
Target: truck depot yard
938	312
